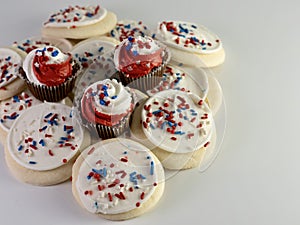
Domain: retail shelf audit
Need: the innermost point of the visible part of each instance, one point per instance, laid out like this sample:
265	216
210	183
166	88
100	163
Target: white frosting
188	36
32	43
12	108
91	50
178	79
41	141
140	46
129	28
118	96
126	175
28	64
76	16
191	123
10	63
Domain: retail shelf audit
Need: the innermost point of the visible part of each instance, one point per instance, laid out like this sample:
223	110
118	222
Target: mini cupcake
49	73
106	107
141	62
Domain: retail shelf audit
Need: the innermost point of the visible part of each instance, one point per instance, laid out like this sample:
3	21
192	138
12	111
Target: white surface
255	179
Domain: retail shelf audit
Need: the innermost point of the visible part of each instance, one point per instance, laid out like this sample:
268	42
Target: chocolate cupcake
49	73
141	62
105	108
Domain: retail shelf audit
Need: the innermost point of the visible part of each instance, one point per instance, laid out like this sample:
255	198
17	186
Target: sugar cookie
117	179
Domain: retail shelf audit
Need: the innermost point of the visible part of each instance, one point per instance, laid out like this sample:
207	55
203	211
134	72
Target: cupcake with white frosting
105	107
49	73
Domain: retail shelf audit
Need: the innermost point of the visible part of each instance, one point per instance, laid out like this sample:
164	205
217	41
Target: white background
256	177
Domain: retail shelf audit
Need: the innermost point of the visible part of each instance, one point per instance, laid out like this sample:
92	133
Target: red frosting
51	74
136	65
90	113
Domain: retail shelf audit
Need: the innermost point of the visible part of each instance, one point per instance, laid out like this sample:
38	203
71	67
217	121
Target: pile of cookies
111	104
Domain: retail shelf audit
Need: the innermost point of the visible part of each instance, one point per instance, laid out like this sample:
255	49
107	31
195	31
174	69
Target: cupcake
49	73
105	107
141	62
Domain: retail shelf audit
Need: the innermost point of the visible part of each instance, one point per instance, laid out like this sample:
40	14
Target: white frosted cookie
10	83
191	44
78	22
177	79
43	144
91	49
176	126
117	179
12	108
29	44
129	28
214	94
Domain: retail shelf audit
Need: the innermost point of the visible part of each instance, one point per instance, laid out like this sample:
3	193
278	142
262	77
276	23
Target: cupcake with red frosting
106	107
49	73
141	61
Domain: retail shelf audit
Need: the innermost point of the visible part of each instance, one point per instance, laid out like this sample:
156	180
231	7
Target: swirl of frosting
10	62
138	56
48	66
76	16
106	102
188	36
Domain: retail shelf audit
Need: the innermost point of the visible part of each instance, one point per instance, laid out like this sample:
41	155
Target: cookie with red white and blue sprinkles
177	79
177	126
129	28
191	44
10	83
89	50
43	143
32	43
79	22
12	108
117	179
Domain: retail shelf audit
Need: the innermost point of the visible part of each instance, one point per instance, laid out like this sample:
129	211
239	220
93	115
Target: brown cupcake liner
106	132
52	93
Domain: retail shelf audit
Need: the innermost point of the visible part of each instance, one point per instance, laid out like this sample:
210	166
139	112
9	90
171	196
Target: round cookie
29	44
10	83
191	44
43	144
117	179
176	126
78	22
91	49
12	108
178	79
129	28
